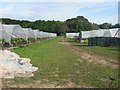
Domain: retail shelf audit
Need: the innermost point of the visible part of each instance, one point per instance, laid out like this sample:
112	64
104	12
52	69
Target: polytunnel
1	36
76	34
1	30
71	35
41	34
44	34
48	34
114	32
36	33
107	33
14	31
30	33
93	33
0	33
26	32
84	34
99	33
53	35
118	34
4	34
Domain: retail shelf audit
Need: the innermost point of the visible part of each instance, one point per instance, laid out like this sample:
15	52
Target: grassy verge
58	64
111	52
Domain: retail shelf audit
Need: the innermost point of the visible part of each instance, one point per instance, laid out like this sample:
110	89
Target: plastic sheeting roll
11	65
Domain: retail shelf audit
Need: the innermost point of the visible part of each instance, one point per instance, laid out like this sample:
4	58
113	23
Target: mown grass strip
57	63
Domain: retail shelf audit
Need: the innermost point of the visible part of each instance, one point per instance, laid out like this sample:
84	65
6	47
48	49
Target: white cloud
57	11
111	19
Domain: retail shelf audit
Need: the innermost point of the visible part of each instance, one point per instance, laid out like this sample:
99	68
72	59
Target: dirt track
90	57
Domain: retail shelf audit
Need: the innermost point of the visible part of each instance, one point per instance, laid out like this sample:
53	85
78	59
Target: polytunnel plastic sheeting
11	65
14	30
98	33
1	35
71	35
26	32
36	32
31	33
113	32
68	35
76	34
13	36
92	33
85	34
107	33
118	34
0	32
4	34
47	34
41	34
53	35
44	34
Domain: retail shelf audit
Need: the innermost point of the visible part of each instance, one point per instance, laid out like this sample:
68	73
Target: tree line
70	25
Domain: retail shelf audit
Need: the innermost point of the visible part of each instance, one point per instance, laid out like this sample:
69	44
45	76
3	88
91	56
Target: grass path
60	67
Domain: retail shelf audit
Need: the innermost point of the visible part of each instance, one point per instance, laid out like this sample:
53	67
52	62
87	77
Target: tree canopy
77	24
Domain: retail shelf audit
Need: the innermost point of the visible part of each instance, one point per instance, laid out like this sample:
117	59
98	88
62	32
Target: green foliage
116	26
3	40
31	39
15	40
53	59
78	24
71	25
105	26
95	26
23	23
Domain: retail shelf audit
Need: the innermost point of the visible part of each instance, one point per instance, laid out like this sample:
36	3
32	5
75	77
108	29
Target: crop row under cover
100	33
96	33
9	32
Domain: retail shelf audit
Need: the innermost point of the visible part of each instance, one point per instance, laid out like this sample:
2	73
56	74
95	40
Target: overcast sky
97	11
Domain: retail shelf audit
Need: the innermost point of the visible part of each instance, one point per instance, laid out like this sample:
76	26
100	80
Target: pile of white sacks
11	65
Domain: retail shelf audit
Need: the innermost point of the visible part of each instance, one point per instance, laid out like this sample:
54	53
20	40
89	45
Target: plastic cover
36	33
26	32
107	33
71	35
12	65
114	32
31	33
41	34
85	34
14	31
99	33
0	36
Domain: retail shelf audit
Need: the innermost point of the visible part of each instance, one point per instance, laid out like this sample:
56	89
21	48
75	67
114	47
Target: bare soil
89	56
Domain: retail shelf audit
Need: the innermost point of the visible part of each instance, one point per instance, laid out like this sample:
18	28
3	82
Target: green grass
111	52
56	62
